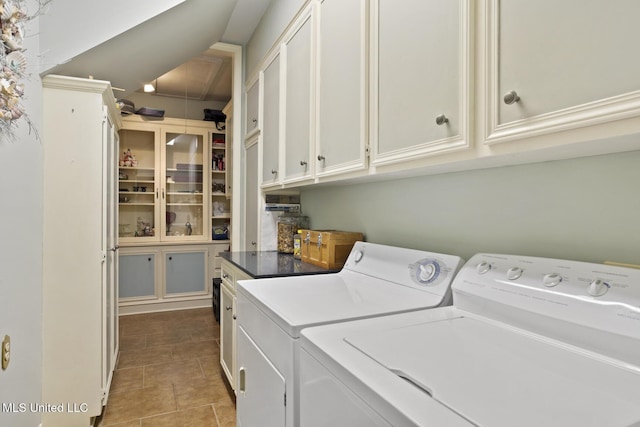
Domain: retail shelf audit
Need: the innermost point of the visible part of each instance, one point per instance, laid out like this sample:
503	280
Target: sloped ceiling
154	47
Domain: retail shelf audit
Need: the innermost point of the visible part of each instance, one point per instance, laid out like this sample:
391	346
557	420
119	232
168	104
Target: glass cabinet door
137	186
184	207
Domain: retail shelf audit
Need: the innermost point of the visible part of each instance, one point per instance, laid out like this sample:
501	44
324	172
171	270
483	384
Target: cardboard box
327	248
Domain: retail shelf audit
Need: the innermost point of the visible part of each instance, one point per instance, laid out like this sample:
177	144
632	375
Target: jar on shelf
288	225
297	245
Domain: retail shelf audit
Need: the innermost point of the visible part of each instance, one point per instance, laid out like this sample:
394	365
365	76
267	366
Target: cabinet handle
303	163
511	97
273	171
320	158
156	193
228	308
241	380
441	119
163	194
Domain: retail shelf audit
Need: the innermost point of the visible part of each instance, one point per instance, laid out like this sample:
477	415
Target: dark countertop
260	265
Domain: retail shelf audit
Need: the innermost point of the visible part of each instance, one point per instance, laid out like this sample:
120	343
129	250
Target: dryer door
260	397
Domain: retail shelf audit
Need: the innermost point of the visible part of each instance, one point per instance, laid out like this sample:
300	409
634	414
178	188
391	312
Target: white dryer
527	342
376	280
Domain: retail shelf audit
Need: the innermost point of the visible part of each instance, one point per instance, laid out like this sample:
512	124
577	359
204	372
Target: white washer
376	280
527	342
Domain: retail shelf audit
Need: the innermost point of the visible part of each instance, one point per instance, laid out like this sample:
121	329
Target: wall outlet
6	352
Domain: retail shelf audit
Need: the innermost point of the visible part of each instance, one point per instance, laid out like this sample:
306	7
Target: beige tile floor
168	373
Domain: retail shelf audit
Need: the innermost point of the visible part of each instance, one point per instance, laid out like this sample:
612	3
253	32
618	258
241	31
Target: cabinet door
341	87
110	291
251	193
260	388
182	194
252	124
299	97
185	272
227	333
137	275
420	96
139	186
271	122
560	65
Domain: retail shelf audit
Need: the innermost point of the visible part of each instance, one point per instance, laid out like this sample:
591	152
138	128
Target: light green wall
585	209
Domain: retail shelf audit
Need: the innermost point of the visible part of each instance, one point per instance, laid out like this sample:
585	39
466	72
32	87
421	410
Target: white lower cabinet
227	333
137	274
154	278
261	387
228	345
185	272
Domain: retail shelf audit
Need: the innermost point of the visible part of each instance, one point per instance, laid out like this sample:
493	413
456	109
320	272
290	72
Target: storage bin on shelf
328	248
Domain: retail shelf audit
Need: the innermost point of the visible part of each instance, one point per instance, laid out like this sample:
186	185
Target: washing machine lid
298	302
495	375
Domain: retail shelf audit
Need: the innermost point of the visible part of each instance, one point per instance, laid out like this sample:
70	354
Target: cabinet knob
234	317
225	276
170	258
149	259
441	119
228	308
115	248
511	97
320	158
303	163
253	243
273	171
254	120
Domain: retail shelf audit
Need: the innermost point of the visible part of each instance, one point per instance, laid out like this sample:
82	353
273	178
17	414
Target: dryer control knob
598	287
358	256
483	267
552	279
427	271
514	273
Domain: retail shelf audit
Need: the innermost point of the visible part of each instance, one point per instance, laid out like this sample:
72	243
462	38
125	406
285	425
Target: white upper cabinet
341	87
555	66
252	124
270	122
297	53
420	76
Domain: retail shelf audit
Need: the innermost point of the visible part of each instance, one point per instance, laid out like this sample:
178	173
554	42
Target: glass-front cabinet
184	157
164	181
138	188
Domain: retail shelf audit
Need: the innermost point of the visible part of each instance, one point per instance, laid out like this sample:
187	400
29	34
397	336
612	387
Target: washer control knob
483	267
598	287
514	273
551	279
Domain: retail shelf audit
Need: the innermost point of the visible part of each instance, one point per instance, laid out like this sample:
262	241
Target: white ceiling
173	51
